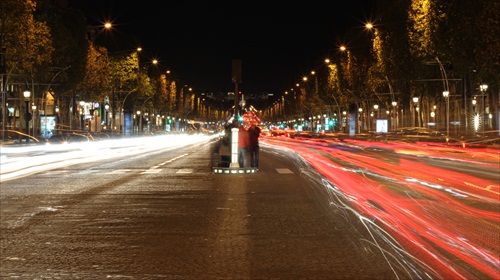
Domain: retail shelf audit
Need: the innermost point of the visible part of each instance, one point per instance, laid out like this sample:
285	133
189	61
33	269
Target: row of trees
49	49
414	48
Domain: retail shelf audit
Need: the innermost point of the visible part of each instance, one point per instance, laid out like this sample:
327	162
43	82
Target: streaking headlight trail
22	161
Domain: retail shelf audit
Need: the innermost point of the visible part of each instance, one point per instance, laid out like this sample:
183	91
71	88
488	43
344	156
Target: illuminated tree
96	82
424	17
27	42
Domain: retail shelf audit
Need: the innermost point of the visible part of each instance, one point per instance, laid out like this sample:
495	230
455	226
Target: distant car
302	135
264	131
278	132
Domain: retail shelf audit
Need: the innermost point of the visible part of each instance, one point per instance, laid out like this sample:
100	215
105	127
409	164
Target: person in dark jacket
254	133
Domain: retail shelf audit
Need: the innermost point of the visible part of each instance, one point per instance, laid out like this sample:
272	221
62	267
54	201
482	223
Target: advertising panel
48	126
382	125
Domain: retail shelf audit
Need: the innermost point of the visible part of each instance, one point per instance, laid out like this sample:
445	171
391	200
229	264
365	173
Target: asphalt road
166	215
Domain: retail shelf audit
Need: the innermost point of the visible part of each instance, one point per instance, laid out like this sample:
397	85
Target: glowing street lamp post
395	118
476	117
415	106
483	88
33	117
446	95
27	115
139	123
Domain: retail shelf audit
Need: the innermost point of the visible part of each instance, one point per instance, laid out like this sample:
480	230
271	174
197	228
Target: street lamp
415	104
27	115
106	117
476	117
58	125
395	118
446	95
33	117
139	122
483	88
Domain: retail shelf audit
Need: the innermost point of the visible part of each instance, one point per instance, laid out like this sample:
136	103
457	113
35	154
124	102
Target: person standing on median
243	146
254	133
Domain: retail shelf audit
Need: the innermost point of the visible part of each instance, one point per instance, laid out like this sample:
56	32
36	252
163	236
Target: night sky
277	41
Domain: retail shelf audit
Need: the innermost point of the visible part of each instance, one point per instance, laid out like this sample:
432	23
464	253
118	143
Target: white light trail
22	161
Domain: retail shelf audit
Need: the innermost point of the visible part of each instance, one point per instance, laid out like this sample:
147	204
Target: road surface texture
166	215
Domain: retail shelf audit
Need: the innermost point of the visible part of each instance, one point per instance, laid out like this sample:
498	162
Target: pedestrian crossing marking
284	171
184	171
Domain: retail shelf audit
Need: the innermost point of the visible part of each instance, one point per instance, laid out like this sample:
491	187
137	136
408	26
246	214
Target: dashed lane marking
152	171
184	171
284	171
118	171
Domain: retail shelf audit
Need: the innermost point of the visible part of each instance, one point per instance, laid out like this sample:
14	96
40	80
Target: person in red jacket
243	146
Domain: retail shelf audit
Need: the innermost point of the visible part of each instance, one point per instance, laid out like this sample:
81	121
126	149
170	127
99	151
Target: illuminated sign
382	125
48	126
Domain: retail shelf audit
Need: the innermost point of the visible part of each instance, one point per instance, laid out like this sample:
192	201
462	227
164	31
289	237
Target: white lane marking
170	160
151	171
155	169
184	171
284	171
118	171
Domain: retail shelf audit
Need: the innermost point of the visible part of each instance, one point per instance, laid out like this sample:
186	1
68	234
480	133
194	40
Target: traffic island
232	170
231	167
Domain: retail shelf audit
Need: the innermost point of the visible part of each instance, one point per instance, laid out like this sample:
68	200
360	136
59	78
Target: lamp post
58	124
433	115
106	117
27	115
446	95
33	110
139	122
395	118
415	104
483	88
82	115
476	117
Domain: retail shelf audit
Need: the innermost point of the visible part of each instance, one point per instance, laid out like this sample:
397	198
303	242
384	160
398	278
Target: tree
69	38
25	44
28	42
96	83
